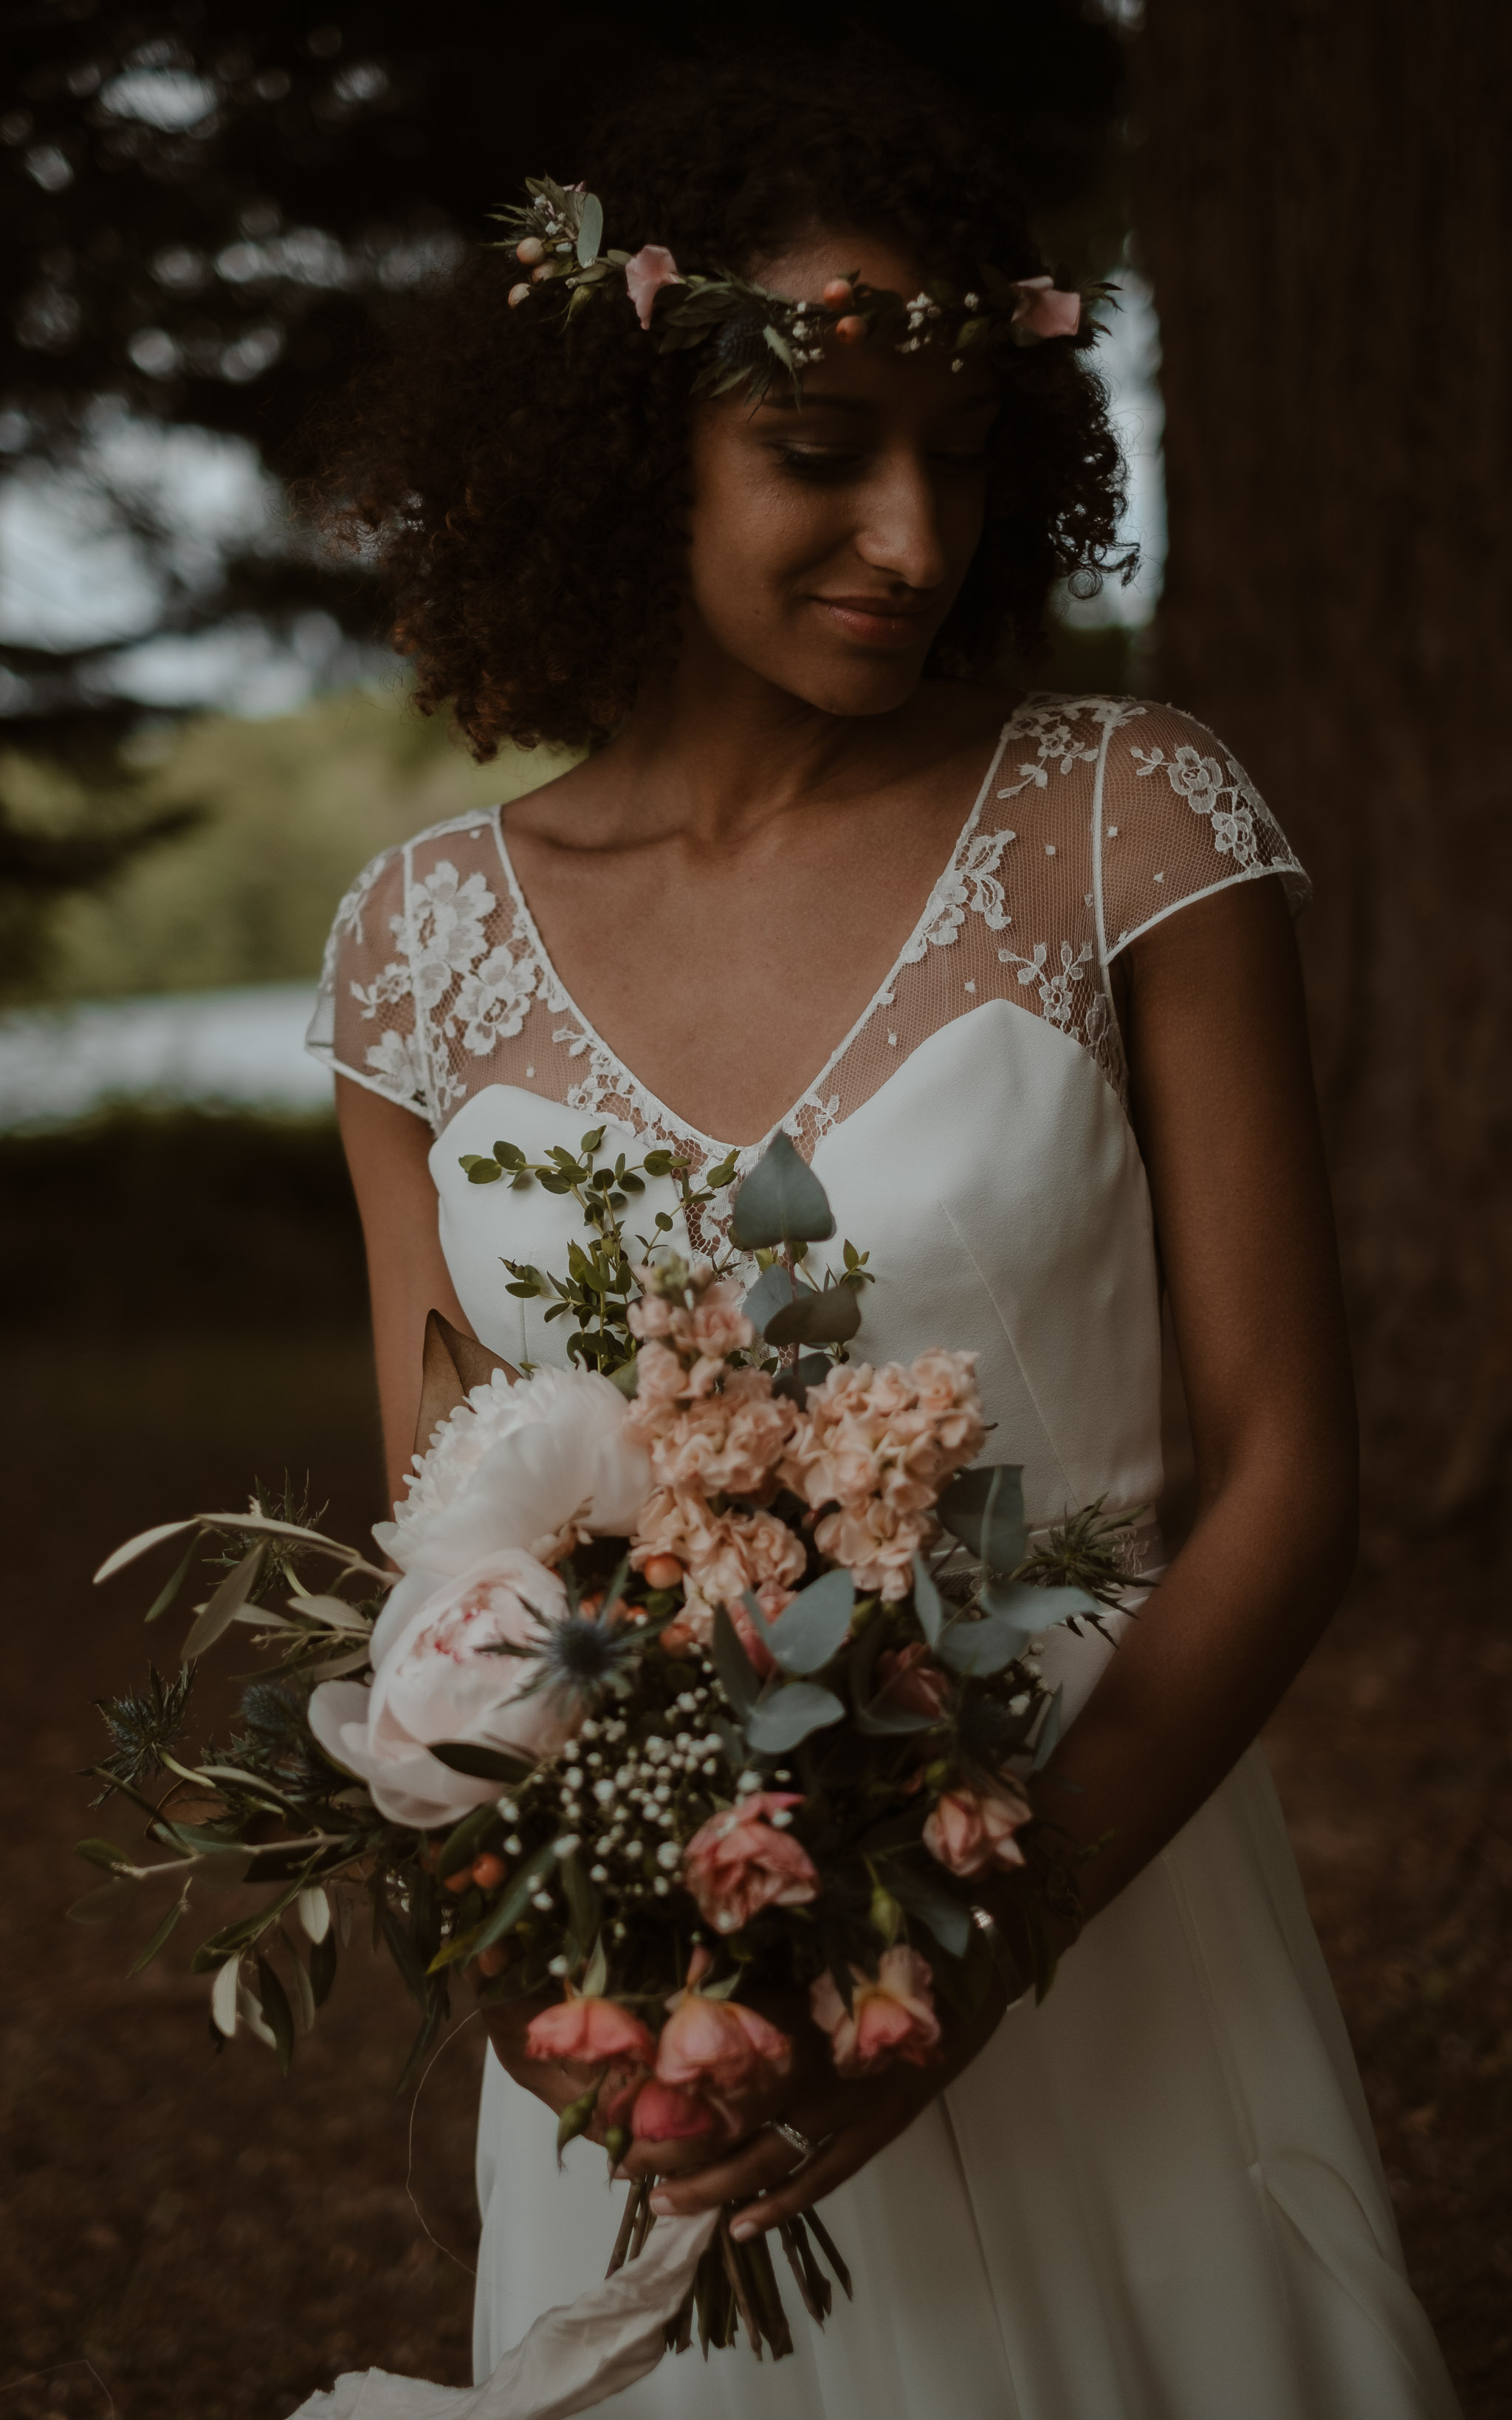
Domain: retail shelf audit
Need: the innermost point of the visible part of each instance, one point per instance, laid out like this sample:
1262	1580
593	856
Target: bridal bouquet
704	1671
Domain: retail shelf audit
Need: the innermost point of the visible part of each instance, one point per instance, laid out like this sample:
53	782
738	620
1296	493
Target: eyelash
824	465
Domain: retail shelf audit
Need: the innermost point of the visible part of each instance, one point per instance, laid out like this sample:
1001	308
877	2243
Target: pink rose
651	268
970	1831
661	2113
717	2046
908	1682
739	1862
892	2015
594	2031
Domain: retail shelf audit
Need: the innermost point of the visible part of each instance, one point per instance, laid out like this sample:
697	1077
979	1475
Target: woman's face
828	542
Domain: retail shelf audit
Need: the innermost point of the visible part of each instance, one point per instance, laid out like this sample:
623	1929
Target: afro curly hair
519	486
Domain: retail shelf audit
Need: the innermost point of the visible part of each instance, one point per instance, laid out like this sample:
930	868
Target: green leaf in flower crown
985	1508
831	1317
1033	1609
737	1677
812	1628
788	1715
589	231
782	1202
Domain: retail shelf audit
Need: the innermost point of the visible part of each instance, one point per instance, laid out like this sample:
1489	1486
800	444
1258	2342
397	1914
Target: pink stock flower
910	1684
651	268
717	2046
739	1862
879	1445
1044	309
593	2031
891	2016
970	1831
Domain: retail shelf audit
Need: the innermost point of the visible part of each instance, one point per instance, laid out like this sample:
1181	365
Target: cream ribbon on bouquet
569	2360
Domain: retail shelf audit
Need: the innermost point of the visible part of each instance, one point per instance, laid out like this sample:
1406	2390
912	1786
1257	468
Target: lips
877	621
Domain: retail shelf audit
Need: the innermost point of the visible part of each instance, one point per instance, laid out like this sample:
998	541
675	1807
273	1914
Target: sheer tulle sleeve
1177	818
364	1025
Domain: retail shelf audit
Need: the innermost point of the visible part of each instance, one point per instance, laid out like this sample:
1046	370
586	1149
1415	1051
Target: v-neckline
660	1113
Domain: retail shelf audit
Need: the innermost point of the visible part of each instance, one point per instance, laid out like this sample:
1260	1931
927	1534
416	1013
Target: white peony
445	1678
514	1466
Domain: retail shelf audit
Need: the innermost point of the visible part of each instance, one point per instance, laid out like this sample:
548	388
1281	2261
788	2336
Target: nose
898	533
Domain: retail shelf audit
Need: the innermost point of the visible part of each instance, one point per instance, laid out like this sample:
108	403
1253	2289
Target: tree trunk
1322	194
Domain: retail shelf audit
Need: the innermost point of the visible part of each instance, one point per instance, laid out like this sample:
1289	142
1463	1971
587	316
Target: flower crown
750	334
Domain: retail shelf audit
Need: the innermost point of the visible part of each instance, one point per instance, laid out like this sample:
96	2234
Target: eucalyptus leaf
885	1722
142	1544
781	1201
928	1900
985	1508
171	1586
1033	1609
737	1676
812	1628
774	1290
828	1318
928	1602
789	1715
225	1603
976	1647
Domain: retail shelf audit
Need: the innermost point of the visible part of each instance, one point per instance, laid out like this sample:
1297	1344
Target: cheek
752	536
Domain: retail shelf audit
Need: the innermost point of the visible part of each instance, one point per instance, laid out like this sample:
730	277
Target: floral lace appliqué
1231	806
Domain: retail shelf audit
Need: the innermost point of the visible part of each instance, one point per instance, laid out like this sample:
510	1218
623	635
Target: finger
758	2165
832	2166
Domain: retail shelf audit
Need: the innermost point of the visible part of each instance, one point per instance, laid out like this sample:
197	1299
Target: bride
1016	973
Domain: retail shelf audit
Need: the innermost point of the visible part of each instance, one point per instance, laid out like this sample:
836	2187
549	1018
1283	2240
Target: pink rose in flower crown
651	268
717	2047
739	1862
892	2015
593	2031
970	1831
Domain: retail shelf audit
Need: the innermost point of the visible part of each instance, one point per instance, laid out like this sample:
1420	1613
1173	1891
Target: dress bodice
971	1129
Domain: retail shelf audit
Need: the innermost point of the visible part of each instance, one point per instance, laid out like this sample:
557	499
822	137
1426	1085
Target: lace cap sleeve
364	1024
1179	819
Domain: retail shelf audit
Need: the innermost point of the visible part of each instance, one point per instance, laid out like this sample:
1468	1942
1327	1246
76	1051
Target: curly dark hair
519	485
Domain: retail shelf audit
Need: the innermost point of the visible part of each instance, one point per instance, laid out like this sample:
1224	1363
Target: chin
858	689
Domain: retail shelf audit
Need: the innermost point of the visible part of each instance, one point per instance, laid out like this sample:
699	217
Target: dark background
1317	191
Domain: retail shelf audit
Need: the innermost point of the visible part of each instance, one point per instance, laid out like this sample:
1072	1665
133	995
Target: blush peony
449	1675
738	1862
892	2015
523	1467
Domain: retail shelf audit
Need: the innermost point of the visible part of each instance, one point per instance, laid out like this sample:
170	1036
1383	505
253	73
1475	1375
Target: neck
714	749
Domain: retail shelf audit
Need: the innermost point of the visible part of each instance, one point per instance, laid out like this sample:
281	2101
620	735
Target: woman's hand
852	2120
558	2081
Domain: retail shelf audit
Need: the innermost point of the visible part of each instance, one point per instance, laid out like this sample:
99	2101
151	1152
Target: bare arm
1223	1107
386	1151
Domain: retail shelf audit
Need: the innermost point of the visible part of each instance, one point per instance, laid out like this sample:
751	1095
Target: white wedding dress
1157	2195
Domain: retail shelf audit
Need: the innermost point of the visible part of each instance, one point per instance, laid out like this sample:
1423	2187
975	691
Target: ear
453	1366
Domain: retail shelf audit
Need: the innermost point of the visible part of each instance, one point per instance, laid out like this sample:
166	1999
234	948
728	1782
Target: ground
188	2237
